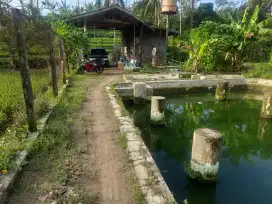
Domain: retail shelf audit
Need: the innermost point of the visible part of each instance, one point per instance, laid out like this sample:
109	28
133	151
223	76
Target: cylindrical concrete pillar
205	154
139	92
157	109
221	90
267	105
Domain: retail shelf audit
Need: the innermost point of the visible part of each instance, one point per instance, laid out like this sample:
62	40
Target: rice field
13	128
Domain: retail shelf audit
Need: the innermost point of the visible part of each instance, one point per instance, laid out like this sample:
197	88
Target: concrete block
127	129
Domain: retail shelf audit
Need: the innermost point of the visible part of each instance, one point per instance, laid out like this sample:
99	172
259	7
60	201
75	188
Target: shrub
260	70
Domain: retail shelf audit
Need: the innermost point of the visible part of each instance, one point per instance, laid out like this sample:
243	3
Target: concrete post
221	91
266	111
205	154
157	109
139	92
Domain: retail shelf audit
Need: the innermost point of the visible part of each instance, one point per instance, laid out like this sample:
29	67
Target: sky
74	2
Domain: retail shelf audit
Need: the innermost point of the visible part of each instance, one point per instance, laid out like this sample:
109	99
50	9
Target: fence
33	66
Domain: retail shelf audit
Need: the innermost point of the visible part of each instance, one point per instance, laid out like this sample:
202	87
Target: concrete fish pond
208	149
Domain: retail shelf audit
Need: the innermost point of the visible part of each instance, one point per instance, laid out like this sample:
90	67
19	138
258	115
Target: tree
205	11
89	6
108	3
149	10
98	3
246	31
32	8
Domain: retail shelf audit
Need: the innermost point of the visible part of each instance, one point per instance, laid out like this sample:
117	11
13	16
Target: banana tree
245	31
197	48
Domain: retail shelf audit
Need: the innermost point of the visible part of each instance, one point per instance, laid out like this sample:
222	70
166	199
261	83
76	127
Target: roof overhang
113	17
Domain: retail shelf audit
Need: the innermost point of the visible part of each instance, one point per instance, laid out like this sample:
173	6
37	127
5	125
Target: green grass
55	157
123	141
139	197
13	120
57	132
260	70
12	107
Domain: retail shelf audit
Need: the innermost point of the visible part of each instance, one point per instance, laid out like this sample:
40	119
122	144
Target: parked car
100	53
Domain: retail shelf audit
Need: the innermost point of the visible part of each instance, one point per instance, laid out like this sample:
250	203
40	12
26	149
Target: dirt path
95	163
113	184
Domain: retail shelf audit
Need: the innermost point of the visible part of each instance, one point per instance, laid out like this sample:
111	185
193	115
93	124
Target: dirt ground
96	162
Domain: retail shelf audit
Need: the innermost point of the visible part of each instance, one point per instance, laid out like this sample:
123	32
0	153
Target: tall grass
260	70
13	120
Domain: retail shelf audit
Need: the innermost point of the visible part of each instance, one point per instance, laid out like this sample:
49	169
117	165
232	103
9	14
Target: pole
63	68
180	17
53	61
24	69
141	42
166	36
114	48
134	43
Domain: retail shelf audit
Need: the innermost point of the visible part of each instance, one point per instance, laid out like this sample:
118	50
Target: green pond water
245	172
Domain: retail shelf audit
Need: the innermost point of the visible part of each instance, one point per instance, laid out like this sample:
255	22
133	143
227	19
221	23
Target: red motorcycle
96	65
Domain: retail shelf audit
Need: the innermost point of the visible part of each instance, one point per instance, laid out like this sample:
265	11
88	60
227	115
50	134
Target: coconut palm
114	2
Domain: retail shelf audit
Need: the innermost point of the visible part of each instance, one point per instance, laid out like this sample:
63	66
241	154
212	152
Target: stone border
125	90
153	186
7	180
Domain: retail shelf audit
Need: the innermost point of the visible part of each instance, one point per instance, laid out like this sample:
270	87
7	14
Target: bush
177	54
260	70
34	61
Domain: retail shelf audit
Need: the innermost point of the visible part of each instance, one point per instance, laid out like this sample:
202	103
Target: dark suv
100	53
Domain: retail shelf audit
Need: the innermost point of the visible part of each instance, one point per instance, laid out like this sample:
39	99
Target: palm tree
153	6
114	2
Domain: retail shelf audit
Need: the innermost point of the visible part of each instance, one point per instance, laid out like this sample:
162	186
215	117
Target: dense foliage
227	39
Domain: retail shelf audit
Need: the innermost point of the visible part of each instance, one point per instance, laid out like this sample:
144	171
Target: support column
157	110
139	92
141	42
166	40
114	44
266	111
134	42
221	91
205	155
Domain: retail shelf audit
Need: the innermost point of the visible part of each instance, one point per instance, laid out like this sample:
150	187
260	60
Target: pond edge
153	186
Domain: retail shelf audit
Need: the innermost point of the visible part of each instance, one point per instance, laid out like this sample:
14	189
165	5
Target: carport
137	35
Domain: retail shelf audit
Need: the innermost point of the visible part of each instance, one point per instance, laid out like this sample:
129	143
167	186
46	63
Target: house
137	35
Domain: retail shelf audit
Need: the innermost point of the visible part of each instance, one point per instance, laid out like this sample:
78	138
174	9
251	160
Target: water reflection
205	194
246	147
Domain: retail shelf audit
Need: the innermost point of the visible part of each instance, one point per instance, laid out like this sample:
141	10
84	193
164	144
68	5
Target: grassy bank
54	157
260	70
13	120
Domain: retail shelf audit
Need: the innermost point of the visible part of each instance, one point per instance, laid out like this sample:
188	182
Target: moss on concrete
209	178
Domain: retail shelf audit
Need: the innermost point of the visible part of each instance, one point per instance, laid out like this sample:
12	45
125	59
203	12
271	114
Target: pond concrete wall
169	87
